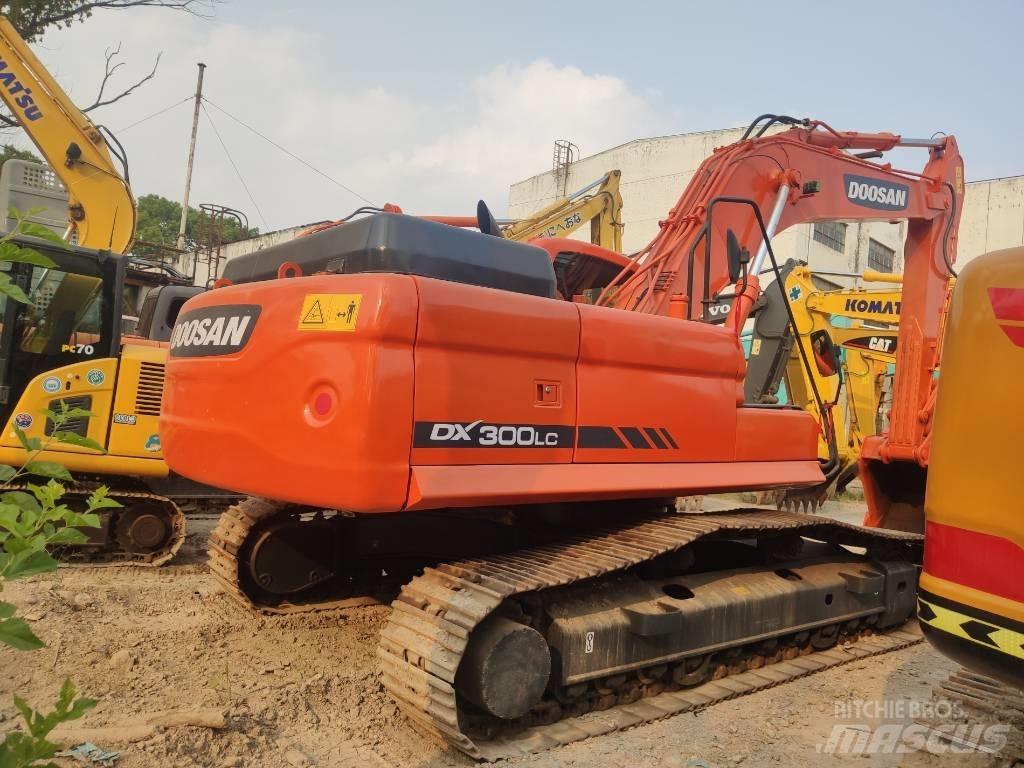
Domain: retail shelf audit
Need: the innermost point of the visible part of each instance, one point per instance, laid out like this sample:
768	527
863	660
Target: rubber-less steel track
985	702
228	537
432	619
232	533
118	556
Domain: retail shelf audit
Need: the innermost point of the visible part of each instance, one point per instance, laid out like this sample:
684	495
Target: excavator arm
805	174
101	208
602	207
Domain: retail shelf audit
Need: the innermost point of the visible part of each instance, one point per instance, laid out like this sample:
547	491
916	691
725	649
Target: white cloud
433	153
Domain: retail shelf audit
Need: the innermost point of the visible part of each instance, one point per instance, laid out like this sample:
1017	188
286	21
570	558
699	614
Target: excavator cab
582	270
69	319
160	310
826	356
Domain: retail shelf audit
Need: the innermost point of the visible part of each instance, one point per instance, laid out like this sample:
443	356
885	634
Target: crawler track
228	540
115	554
433	618
983	702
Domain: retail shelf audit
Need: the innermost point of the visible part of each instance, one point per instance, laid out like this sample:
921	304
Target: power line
289	153
237	172
155	114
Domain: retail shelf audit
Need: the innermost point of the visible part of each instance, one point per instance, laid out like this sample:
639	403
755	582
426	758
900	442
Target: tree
158	223
11	152
33	17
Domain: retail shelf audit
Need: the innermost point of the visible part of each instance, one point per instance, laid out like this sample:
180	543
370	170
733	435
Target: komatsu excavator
418	409
66	344
850	362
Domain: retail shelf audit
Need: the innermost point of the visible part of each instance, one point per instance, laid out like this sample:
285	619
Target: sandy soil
303	690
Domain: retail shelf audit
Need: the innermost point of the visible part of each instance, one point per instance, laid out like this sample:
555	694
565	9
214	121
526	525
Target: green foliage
22	749
32	18
13	253
159	219
33	520
11	152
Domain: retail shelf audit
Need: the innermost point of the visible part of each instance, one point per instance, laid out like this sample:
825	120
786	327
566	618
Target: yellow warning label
755	347
330	312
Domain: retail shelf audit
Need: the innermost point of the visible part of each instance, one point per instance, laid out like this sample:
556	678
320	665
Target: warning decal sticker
330	312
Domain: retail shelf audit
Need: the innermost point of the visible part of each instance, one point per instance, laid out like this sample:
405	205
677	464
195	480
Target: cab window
65	313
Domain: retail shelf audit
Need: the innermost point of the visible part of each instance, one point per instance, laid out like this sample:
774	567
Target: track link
227	538
230	537
88	556
982	702
422	645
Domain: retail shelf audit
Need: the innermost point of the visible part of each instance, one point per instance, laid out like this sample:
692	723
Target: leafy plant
26	748
33	520
18	253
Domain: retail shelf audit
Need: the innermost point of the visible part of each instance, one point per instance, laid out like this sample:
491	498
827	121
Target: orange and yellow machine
497	436
972	587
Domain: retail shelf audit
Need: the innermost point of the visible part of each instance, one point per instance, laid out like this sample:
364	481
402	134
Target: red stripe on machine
980	561
1014	333
1007	303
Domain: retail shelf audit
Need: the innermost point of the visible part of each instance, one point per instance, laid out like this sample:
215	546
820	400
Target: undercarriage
509	621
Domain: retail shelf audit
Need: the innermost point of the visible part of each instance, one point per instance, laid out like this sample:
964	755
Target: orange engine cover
384	392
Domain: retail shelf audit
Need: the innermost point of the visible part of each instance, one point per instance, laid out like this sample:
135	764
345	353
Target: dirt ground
304	690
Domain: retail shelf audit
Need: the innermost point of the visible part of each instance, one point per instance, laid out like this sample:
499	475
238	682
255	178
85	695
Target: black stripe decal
668	436
655	438
599	437
977	613
635	437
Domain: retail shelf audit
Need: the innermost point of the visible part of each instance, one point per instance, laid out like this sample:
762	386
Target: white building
656	171
230	251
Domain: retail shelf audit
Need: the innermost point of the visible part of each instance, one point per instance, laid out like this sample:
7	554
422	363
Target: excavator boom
101	209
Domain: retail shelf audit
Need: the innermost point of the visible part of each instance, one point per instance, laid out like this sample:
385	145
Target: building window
880	257
832	234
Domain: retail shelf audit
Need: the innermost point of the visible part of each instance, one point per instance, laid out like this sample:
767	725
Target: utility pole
191	156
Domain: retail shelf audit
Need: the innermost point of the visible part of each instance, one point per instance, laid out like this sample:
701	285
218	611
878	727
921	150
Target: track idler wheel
292	556
142	531
506	668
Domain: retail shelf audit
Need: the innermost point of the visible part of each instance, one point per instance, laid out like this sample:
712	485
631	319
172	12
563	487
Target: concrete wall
656	171
993	217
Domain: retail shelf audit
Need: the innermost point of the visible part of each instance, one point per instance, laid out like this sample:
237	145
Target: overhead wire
288	152
233	165
155	114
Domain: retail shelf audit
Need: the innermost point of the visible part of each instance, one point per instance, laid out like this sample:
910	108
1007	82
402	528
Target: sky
435	105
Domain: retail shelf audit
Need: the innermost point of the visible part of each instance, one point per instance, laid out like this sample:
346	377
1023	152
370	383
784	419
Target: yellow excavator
66	344
850	337
971	597
101	209
599	203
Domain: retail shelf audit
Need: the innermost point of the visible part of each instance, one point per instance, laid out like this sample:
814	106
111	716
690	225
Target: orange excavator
439	414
